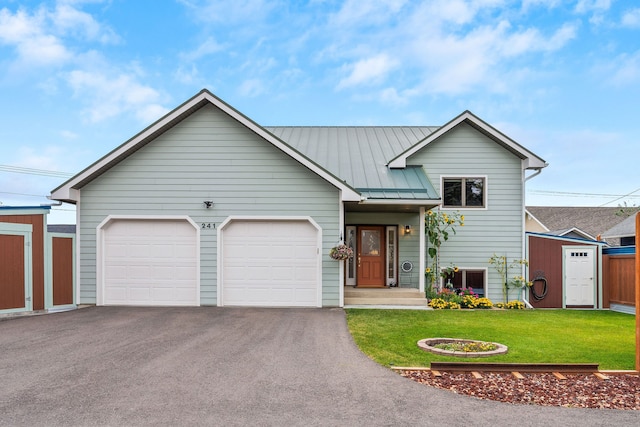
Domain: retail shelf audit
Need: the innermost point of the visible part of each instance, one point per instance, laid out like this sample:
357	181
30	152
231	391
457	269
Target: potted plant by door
341	252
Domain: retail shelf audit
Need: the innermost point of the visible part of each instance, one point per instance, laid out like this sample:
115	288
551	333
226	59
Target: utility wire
572	194
32	171
621	197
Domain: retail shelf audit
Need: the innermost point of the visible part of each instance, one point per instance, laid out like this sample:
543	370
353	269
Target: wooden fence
618	273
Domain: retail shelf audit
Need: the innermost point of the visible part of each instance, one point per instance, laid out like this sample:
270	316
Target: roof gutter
536	173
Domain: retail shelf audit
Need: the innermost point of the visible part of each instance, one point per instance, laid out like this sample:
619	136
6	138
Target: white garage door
270	264
150	262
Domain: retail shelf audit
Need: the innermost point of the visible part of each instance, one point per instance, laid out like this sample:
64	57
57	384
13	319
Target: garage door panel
150	262
270	263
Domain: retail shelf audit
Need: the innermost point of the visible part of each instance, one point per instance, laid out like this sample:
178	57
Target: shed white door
270	264
150	262
579	275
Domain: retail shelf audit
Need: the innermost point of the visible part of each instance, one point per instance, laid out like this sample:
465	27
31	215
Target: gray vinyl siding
209	156
465	152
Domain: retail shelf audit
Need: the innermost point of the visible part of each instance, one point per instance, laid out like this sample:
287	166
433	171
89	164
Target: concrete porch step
384	296
386	301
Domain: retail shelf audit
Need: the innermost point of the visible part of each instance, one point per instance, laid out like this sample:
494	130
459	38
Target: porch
387	296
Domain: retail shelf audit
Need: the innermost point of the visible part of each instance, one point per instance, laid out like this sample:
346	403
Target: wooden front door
371	257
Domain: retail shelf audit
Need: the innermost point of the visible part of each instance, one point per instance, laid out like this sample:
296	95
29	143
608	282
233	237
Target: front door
371	256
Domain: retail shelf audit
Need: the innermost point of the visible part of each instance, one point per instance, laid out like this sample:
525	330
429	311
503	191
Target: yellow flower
455	269
428	270
461	217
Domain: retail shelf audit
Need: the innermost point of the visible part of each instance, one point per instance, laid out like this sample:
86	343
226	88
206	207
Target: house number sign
208	226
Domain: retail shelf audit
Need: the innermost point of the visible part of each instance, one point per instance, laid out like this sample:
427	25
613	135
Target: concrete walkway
226	366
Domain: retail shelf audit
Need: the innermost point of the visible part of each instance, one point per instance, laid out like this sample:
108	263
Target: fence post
637	292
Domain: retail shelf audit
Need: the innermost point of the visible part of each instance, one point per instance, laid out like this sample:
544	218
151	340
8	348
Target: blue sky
78	78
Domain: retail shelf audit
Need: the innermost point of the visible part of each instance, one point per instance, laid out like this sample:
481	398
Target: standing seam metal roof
359	156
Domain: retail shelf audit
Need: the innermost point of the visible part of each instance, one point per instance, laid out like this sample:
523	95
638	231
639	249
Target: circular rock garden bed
461	347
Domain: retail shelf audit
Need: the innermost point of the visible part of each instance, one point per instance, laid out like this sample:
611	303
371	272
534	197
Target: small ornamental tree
438	227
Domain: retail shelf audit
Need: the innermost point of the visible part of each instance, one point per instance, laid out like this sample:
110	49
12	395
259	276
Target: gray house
206	207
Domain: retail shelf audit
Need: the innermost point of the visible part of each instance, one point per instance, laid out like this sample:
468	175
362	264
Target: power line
23	194
622	197
574	194
32	171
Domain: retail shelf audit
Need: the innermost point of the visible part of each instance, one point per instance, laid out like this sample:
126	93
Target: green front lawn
533	336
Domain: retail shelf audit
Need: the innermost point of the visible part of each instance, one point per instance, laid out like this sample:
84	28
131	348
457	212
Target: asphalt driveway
226	366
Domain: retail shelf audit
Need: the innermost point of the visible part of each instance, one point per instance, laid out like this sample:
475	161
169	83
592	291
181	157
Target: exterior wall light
407	229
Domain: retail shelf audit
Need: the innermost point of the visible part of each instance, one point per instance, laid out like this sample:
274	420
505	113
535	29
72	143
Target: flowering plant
502	267
438	226
341	252
520	282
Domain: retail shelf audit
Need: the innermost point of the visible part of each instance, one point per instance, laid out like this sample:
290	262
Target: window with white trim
464	192
469	279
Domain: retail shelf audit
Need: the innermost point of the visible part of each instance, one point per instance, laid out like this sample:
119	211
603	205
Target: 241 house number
208	226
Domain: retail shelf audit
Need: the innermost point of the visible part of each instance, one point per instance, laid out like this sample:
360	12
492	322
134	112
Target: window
469	279
463	192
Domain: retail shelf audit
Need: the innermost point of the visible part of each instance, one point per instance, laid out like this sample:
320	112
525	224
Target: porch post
423	252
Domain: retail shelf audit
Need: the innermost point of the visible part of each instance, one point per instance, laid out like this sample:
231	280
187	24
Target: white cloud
624	70
110	95
67	134
549	4
66	18
585	6
251	88
229	12
206	48
41	37
365	12
368	71
187	74
631	18
597	8
391	96
28	35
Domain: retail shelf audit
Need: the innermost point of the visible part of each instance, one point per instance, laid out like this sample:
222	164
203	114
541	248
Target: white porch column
423	251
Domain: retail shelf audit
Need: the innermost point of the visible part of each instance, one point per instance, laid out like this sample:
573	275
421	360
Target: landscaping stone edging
428	343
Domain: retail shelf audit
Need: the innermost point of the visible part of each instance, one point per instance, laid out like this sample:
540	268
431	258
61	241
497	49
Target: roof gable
626	228
69	191
530	160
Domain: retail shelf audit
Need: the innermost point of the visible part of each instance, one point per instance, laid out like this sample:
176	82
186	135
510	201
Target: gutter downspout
526	241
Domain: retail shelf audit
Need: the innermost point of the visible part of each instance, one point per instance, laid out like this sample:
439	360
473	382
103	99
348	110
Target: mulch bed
620	391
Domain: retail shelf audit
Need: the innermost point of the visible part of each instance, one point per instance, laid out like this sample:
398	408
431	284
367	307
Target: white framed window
351	239
392	258
464	192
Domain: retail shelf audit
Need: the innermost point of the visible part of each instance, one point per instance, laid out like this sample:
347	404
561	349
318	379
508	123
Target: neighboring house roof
626	228
591	221
61	228
572	232
8	209
368	164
